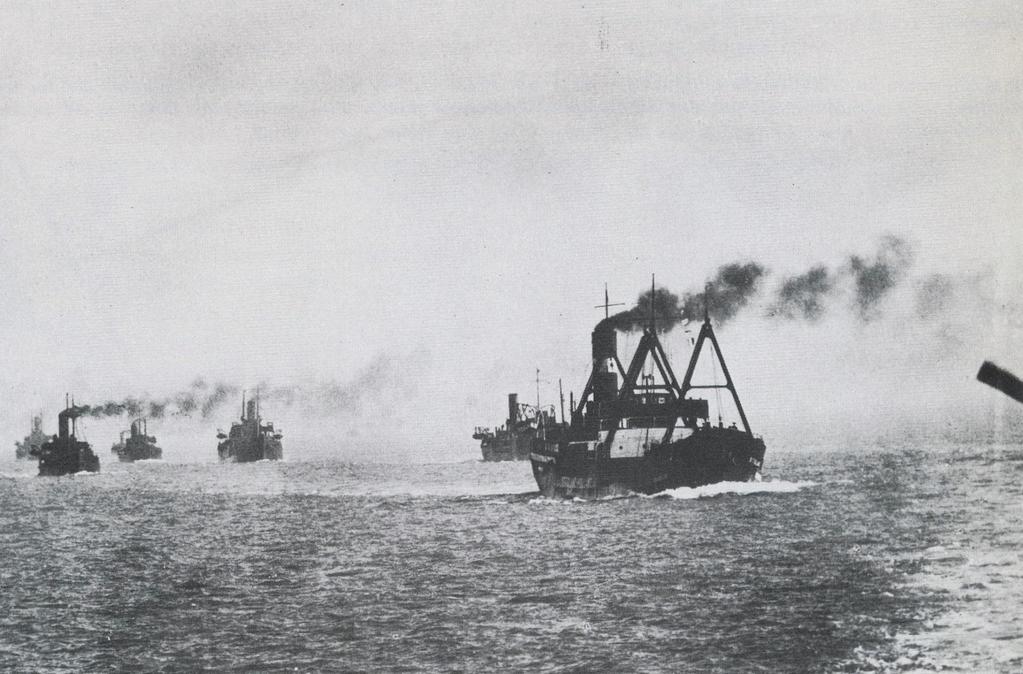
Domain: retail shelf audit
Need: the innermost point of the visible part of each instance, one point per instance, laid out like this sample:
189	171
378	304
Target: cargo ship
643	435
138	446
34	440
514	440
64	453
250	439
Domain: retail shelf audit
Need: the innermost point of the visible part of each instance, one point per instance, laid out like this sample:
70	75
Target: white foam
544	500
740	488
17	476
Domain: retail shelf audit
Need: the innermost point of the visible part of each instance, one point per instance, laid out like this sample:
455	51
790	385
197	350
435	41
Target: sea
860	559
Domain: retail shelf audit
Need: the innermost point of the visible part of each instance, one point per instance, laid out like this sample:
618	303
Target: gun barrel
1003	380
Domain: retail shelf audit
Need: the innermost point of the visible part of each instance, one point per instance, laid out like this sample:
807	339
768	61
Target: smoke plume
865	281
381	383
731	289
728	293
199	399
803	296
661	304
381	380
874	279
933	295
870	280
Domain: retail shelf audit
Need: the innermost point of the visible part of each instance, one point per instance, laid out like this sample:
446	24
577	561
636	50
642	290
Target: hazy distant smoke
803	296
726	294
870	279
875	278
933	295
382	381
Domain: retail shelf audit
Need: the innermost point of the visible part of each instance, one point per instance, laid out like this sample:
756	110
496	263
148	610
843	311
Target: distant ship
514	440
34	440
138	445
64	453
644	436
250	439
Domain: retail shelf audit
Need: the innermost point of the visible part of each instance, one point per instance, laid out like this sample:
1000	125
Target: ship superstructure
34	440
138	445
638	431
514	440
64	453
250	439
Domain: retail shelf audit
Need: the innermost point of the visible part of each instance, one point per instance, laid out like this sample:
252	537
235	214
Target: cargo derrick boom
603	405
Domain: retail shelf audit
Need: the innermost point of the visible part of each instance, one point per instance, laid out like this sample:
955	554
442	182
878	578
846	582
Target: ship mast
608	304
538	391
707	332
561	396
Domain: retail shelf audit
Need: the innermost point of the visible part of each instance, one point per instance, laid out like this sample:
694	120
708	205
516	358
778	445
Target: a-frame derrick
707	332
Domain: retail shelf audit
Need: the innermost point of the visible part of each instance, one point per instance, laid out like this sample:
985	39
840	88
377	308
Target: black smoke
875	278
803	296
659	304
200	399
729	292
867	279
731	289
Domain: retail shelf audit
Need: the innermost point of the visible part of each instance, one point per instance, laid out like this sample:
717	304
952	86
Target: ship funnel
604	342
65	421
250	409
134	428
513	408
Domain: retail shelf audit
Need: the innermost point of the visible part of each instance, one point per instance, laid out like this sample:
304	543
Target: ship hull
57	459
508	447
132	454
240	451
570	470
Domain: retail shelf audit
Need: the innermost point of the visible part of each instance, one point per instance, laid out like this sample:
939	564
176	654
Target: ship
34	440
139	445
645	434
514	440
250	439
64	453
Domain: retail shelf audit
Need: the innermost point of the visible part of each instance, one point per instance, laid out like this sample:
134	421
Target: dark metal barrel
1003	380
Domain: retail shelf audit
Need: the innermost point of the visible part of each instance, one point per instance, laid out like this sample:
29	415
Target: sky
419	205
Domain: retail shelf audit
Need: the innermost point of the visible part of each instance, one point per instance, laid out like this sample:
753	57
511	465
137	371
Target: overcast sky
293	192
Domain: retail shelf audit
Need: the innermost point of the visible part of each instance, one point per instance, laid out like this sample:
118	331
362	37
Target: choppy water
890	559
